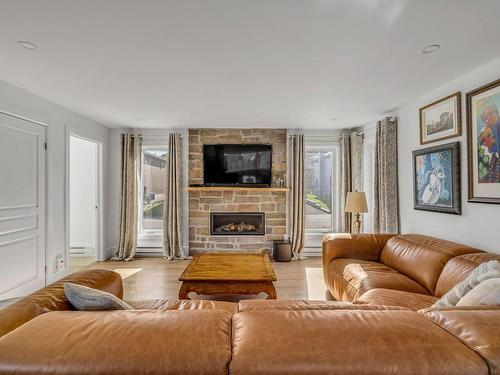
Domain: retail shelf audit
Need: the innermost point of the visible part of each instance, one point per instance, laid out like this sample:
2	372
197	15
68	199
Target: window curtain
297	200
172	216
129	196
351	162
385	190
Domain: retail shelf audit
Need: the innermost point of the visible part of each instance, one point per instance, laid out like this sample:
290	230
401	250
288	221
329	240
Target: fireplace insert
237	223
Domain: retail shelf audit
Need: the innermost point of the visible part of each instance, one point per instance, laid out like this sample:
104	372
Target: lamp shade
356	202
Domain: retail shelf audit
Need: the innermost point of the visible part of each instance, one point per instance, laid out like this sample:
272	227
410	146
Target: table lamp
356	203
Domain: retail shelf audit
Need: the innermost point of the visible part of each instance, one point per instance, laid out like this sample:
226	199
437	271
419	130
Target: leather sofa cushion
420	257
478	329
120	342
170	304
52	297
351	278
346	342
413	301
280	304
458	268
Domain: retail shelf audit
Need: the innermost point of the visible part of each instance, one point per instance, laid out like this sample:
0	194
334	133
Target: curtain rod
152	135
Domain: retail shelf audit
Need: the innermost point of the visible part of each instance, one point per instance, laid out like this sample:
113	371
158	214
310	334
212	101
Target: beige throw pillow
486	293
484	271
84	298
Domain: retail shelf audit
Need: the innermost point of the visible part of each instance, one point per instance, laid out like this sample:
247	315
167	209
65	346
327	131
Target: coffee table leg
271	291
184	291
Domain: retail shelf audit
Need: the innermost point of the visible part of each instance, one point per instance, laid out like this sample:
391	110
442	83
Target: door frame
99	250
45	184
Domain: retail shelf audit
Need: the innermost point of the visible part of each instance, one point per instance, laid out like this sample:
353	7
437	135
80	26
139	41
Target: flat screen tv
234	165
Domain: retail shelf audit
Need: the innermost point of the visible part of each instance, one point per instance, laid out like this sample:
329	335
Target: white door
22	206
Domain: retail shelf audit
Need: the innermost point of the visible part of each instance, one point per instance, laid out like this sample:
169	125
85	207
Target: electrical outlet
60	263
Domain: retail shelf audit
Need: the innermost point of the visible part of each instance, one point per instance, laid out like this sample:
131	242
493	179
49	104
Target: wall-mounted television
237	164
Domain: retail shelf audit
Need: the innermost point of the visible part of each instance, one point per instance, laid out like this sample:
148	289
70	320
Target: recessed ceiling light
333	119
27	45
431	48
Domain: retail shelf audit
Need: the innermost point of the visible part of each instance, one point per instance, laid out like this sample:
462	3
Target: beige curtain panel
297	200
129	196
345	179
385	190
172	230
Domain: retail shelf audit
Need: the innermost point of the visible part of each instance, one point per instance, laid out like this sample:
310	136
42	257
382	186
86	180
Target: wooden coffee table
228	273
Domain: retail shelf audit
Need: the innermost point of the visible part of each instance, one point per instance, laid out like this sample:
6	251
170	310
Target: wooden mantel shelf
234	188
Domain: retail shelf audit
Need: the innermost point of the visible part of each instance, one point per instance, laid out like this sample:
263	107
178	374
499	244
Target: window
153	169
321	214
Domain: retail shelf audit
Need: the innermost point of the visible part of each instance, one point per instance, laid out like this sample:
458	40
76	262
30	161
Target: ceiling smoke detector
27	45
431	48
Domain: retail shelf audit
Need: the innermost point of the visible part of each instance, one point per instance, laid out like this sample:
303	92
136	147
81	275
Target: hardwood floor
146	278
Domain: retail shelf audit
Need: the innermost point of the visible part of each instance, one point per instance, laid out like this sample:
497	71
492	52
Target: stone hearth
204	202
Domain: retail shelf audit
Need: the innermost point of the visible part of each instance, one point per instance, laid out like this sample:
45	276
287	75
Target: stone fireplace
233	202
237	223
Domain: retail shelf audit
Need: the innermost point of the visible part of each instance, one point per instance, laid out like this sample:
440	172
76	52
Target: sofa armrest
52	297
476	326
355	246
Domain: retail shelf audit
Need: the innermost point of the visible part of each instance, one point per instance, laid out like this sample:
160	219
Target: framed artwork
441	119
436	179
483	146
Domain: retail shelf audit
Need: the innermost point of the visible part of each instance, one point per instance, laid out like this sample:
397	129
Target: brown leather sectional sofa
409	270
42	335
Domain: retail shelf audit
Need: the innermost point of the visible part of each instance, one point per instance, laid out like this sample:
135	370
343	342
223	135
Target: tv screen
228	165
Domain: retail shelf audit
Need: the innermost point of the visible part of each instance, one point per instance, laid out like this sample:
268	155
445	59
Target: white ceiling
241	63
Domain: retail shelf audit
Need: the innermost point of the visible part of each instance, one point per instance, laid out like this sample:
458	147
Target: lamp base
356	223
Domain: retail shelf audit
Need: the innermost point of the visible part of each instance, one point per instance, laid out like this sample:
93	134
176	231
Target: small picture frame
483	143
436	179
441	119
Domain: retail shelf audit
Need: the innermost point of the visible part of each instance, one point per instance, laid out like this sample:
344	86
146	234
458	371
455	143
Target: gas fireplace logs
241	227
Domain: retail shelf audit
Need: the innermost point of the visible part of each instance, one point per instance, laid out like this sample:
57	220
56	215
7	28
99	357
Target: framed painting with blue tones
437	179
483	146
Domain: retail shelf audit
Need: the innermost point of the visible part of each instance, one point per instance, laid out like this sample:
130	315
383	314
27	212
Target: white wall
83	194
59	121
479	223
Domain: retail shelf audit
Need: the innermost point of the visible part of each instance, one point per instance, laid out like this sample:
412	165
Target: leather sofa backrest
52	297
458	268
301	305
420	257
